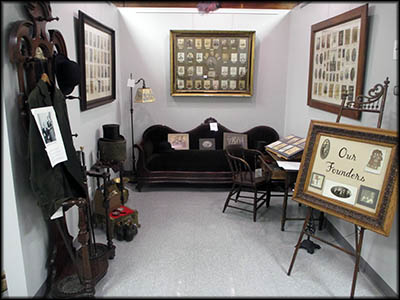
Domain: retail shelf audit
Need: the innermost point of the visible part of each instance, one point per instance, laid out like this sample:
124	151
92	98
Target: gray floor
187	247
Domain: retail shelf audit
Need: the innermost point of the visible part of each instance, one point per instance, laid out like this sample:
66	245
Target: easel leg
300	238
307	244
284	205
359	241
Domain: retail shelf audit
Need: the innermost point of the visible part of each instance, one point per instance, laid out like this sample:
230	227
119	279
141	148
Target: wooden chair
243	164
375	102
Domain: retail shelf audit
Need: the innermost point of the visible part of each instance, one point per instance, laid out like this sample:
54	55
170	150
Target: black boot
129	230
119	231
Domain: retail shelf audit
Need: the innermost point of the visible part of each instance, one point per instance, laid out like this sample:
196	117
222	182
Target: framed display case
350	172
97	61
212	63
337	60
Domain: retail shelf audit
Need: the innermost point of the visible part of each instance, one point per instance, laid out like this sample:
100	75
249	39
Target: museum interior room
199	149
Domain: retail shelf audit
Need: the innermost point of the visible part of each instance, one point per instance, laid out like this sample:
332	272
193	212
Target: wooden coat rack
32	49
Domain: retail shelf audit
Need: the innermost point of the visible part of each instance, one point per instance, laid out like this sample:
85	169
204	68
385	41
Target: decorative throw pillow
207	144
234	139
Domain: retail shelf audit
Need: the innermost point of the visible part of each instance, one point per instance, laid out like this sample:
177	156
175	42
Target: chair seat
243	163
244	178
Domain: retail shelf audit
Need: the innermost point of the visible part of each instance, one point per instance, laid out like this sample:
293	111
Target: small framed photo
235	139
317	180
367	197
207	144
376	160
179	141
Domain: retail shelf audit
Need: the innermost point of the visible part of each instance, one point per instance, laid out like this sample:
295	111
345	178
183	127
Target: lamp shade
144	95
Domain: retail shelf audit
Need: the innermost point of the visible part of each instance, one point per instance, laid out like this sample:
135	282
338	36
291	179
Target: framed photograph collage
97	60
217	63
350	172
337	58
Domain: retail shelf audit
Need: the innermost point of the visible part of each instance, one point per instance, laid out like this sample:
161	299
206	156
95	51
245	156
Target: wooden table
288	179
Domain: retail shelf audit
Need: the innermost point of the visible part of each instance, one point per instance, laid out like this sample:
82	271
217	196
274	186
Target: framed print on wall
212	63
350	172
97	61
337	60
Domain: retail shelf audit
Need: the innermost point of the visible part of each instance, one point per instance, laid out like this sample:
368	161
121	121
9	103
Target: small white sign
131	82
46	121
214	126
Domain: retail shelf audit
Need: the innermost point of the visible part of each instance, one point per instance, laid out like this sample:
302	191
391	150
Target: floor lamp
143	95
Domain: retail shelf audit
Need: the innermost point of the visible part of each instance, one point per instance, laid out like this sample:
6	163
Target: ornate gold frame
211	63
342	154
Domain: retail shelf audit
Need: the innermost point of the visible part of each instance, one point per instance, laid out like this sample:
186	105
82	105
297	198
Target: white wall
145	52
12	257
142	45
31	227
380	252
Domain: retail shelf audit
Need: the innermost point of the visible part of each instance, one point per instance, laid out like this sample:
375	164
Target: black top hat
111	132
68	73
112	146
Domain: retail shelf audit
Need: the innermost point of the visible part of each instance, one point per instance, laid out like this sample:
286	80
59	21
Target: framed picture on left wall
97	61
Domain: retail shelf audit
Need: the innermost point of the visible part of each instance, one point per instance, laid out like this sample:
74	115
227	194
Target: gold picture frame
179	141
350	172
337	60
212	63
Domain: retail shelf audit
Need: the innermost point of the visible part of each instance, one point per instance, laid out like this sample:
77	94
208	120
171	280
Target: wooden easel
359	236
375	102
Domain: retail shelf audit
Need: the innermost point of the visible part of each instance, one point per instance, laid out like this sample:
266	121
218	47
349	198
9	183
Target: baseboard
378	281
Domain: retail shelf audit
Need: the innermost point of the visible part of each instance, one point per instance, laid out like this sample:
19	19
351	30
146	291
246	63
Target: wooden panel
193	4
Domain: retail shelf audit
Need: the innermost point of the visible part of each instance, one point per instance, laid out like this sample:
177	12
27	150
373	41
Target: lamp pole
134	172
133	142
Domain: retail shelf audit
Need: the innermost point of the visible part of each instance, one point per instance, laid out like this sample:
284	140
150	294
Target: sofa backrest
155	136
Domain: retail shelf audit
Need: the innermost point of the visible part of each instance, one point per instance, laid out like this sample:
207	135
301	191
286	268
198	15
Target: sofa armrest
141	161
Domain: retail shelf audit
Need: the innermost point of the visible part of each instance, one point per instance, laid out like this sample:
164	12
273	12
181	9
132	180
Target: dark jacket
53	186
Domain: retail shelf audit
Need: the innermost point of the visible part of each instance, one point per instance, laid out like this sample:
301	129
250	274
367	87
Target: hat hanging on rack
68	73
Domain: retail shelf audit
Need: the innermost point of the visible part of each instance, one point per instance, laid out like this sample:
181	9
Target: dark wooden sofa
159	164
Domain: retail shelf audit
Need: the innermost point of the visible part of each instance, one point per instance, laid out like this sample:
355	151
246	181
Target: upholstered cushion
165	147
189	160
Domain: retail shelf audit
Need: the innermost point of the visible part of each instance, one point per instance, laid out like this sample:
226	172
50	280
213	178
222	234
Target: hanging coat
53	186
